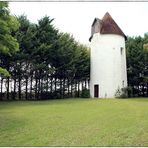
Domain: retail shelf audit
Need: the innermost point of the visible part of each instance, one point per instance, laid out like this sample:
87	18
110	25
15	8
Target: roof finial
106	15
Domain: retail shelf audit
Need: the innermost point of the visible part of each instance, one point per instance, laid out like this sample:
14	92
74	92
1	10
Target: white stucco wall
108	65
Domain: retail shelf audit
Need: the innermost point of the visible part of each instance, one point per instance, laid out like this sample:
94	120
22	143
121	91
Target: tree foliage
137	64
49	63
8	43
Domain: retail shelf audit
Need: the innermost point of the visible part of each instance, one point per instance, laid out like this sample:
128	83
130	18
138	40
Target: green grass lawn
74	122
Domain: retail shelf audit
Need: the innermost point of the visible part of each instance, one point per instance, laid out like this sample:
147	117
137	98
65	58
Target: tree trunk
55	84
143	90
41	94
133	91
26	94
31	87
1	89
8	88
68	86
78	89
19	89
14	89
47	85
71	89
82	85
75	88
85	85
51	84
36	84
64	88
60	88
39	89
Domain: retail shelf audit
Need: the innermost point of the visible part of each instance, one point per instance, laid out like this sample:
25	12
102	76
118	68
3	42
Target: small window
123	83
121	50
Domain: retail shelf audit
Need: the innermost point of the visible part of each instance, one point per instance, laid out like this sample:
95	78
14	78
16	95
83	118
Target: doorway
96	91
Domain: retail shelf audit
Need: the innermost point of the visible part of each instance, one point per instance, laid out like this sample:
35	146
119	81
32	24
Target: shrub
118	93
85	93
123	92
130	91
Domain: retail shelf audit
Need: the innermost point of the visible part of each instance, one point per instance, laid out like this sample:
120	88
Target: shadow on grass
24	103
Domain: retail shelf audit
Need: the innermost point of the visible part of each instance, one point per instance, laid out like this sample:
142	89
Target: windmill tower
108	58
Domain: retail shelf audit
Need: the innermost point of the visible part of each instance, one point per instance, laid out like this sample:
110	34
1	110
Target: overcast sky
76	17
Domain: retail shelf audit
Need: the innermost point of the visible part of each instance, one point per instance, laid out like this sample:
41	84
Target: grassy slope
74	122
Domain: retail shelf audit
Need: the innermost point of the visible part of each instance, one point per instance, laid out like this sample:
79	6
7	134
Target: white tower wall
108	64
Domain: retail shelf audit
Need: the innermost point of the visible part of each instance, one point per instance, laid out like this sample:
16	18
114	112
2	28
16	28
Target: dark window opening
121	50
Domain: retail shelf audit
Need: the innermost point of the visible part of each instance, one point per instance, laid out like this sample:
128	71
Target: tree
22	61
137	64
8	23
46	37
8	44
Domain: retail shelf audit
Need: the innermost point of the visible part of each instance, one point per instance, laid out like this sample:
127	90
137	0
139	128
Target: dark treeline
49	64
137	65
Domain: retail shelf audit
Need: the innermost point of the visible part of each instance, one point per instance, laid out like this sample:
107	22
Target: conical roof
108	26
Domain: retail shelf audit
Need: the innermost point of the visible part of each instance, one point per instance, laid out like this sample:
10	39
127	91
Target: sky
76	18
